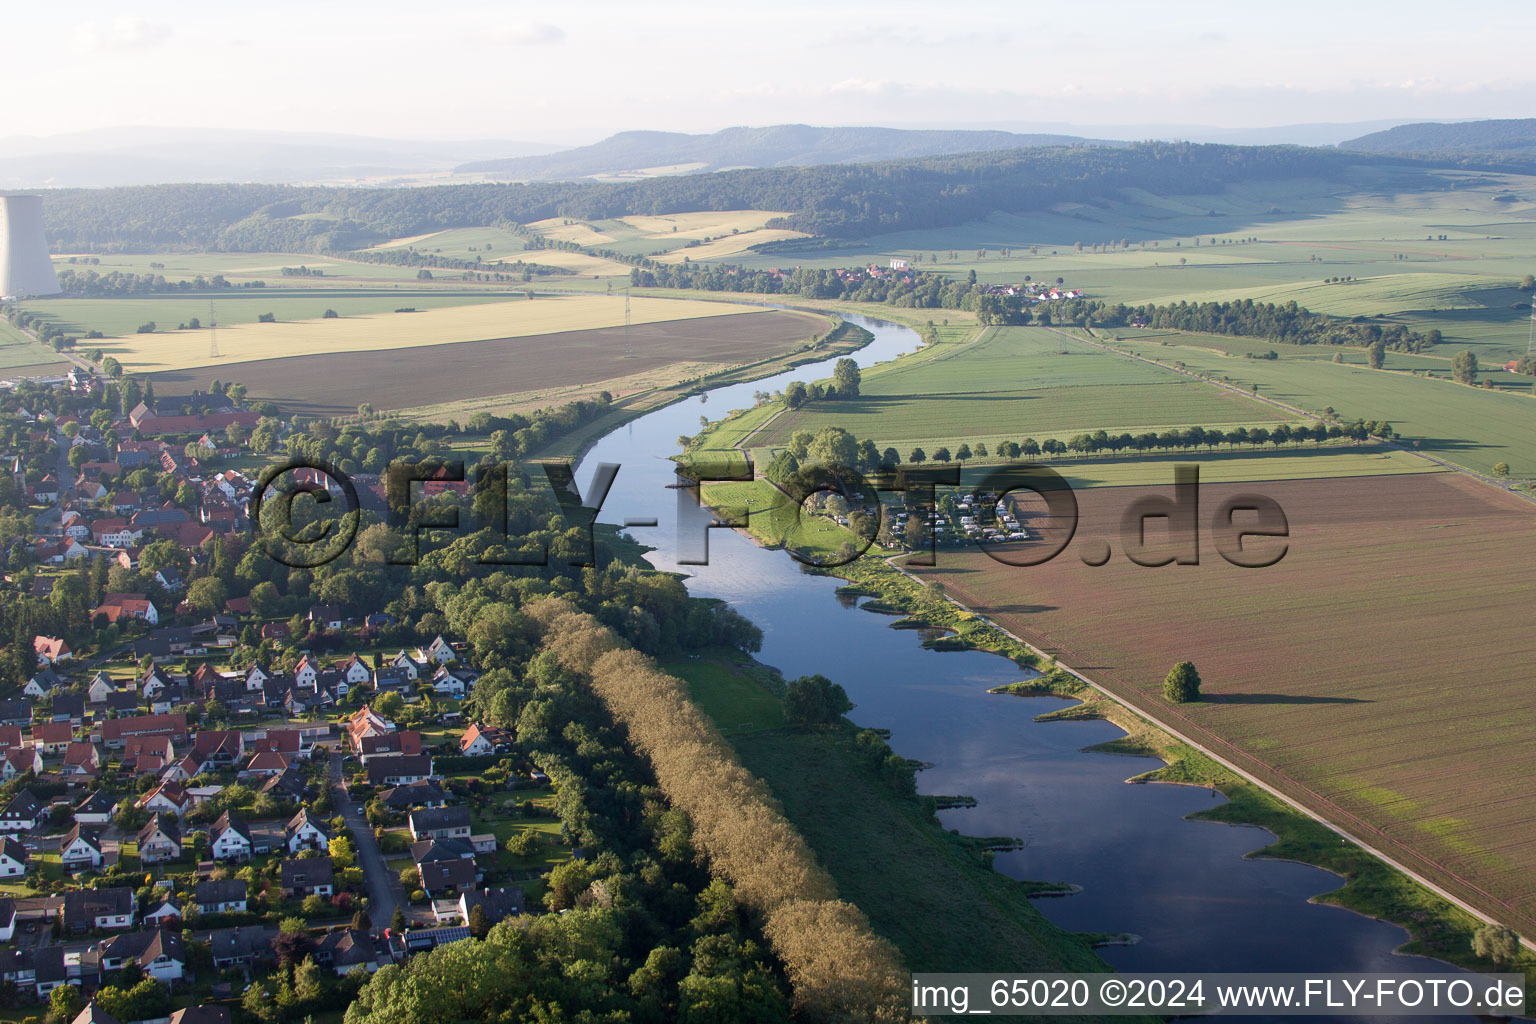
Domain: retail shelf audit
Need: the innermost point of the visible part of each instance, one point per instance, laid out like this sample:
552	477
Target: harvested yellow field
709	224
400	243
152	353
562	230
730	245
577	262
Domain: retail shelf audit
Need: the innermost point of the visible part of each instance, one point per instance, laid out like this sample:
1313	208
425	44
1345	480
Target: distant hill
1438	137
842	201
1504	145
151	155
631	154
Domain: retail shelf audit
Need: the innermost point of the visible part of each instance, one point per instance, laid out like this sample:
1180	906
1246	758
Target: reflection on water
1183	886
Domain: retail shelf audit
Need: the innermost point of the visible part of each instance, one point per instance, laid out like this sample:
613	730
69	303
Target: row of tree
838	967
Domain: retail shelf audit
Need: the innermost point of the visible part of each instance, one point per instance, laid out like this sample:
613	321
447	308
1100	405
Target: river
1184	887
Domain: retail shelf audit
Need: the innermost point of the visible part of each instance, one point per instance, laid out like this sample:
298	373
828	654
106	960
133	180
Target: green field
1471	427
1011	383
18	351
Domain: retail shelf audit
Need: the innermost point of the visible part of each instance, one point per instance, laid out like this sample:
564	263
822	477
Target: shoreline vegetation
1436	928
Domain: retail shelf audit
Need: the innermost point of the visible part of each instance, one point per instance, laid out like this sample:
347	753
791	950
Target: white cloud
125	32
530	34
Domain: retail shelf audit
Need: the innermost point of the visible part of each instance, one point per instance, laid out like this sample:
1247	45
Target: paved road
384	890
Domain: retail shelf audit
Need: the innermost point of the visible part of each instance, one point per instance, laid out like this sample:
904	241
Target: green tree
479	924
1377	354
1501	469
1497	943
847	378
64	1004
397	920
815	700
1464	366
1182	684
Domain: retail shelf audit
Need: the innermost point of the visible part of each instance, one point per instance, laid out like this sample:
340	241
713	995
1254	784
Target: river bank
1436	927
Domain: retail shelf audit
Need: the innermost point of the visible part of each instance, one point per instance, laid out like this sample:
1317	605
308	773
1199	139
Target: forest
842	201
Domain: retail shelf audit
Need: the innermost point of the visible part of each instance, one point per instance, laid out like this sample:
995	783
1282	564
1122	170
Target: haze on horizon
552	74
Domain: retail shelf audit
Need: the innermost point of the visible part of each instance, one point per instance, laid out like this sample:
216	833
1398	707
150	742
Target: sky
576	72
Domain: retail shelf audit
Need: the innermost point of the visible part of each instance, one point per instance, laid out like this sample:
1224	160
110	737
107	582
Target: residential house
453	683
497	904
13	858
355	670
407	664
444	865
161	914
230	839
20	761
10	738
306	672
168	798
264	763
21	814
399	771
100	688
157	951
440	823
96	809
85	909
441	651
53	737
81	758
50	650
483	740
221	896
42	683
313	876
394	680
80	849
115	732
406	742
329	616
159	840
68	707
366	722
426	793
203	1014
304	832
346	948
118	607
234	947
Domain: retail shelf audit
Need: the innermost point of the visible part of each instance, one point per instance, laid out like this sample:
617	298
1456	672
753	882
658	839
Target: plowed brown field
1383	672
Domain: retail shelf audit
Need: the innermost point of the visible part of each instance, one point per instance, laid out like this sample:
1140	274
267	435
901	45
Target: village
170	811
147	840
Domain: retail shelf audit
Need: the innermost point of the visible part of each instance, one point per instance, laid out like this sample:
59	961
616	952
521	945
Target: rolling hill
634	154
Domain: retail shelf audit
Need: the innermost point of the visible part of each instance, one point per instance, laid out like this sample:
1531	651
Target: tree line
839	969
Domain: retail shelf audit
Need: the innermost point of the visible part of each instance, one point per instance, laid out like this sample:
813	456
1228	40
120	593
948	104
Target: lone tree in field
847	378
1496	943
1183	683
1464	367
1377	353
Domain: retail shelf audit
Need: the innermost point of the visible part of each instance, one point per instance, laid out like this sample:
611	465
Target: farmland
1377	672
698	236
1471	427
1013	382
408	376
372	332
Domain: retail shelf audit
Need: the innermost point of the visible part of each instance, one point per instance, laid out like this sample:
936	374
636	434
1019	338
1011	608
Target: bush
148	328
266	318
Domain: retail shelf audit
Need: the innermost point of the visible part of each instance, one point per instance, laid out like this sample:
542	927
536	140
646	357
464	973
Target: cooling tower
25	269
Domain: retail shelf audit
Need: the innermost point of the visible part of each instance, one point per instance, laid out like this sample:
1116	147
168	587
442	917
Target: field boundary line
1247	776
